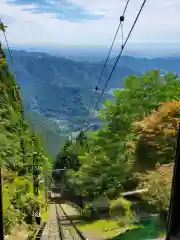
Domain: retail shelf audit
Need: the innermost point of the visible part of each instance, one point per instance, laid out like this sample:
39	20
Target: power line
9	51
122	48
105	64
6	42
105	86
119	25
126	7
99	79
11	58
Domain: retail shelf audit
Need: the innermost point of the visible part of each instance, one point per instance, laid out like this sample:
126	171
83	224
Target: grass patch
147	229
120	219
103	228
111	229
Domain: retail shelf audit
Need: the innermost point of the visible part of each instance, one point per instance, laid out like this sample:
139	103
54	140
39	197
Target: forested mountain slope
60	89
51	133
45	79
166	64
18	145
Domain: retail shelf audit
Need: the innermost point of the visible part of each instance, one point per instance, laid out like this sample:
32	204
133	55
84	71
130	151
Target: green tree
17	145
3	27
109	163
159	183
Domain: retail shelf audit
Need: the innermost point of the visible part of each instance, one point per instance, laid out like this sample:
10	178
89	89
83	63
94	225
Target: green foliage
69	156
96	208
52	136
2	27
120	205
122	208
88	212
17	146
108	166
158	135
159	185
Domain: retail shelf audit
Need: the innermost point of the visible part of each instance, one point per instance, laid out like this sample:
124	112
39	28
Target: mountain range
57	91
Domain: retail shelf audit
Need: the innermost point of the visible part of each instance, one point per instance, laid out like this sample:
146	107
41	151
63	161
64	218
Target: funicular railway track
68	230
60	227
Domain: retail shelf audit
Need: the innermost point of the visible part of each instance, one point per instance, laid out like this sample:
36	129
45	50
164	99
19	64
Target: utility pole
35	175
45	189
1	210
36	185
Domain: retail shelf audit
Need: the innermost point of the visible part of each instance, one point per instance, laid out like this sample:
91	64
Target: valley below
57	92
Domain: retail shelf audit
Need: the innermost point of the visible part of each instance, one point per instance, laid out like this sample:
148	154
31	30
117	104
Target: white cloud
159	22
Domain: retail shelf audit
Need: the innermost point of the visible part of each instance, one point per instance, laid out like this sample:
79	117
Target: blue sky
62	9
89	22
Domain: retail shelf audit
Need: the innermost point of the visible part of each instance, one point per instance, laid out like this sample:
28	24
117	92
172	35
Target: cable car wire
9	51
135	21
105	64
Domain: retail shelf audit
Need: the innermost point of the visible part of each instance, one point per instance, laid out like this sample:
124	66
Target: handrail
34	236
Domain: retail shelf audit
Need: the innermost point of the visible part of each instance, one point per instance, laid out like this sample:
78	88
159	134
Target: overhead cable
105	64
110	50
9	51
135	21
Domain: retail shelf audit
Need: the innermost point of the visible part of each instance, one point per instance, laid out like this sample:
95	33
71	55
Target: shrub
88	211
159	187
120	207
